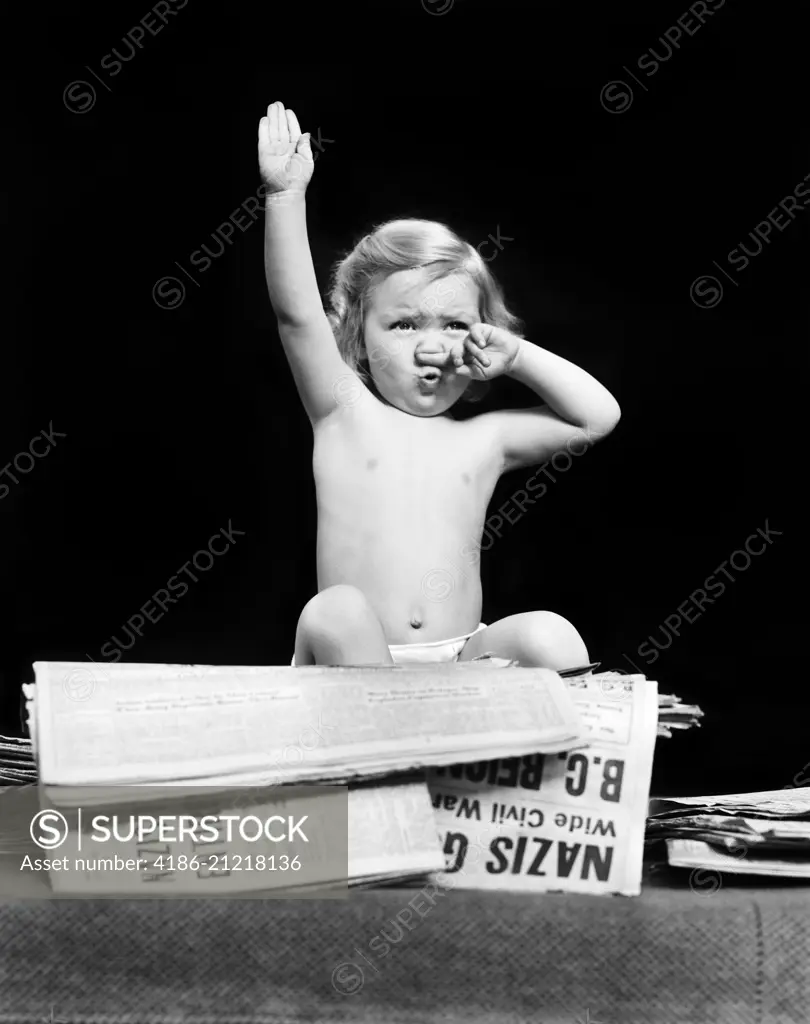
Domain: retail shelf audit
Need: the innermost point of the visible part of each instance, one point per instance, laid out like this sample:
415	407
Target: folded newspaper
128	723
566	822
79	683
766	833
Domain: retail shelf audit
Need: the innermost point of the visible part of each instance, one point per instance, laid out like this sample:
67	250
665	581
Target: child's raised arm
286	165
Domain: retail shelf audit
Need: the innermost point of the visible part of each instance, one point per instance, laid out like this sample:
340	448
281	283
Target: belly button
416	623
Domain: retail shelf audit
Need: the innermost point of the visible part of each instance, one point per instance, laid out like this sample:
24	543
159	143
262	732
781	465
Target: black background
487	117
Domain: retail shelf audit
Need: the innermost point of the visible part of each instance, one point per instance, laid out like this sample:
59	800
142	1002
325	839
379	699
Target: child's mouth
430	381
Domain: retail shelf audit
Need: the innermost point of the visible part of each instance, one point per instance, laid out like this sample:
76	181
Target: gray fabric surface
737	956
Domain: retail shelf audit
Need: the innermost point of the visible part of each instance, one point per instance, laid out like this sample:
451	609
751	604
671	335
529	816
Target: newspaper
17	764
570	822
364	833
128	723
389	835
673	714
765	833
690	853
791	835
196	730
16	761
392	832
773	803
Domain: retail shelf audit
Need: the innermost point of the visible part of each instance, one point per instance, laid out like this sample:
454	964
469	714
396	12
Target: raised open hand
285	154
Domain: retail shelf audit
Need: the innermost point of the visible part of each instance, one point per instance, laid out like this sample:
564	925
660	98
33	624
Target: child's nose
431	350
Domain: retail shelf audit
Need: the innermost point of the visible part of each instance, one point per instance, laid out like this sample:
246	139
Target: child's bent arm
579	410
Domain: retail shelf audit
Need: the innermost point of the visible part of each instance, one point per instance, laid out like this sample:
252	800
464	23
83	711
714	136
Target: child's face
410	329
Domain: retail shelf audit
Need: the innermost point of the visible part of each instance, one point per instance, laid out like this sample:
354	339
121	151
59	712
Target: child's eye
457	325
401	325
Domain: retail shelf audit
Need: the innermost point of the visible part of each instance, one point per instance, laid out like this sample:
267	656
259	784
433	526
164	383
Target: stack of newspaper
17	765
203	729
764	833
672	712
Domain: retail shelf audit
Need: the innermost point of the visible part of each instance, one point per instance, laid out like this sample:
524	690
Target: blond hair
406	244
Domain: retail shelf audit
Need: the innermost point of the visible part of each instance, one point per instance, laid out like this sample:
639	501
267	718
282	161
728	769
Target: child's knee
551	626
336	611
553	641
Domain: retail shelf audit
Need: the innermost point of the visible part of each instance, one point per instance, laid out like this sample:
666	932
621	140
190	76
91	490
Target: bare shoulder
354	405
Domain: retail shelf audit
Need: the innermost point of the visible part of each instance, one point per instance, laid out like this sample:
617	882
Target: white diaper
424	654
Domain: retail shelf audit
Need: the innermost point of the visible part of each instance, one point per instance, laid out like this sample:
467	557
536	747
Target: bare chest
426	468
